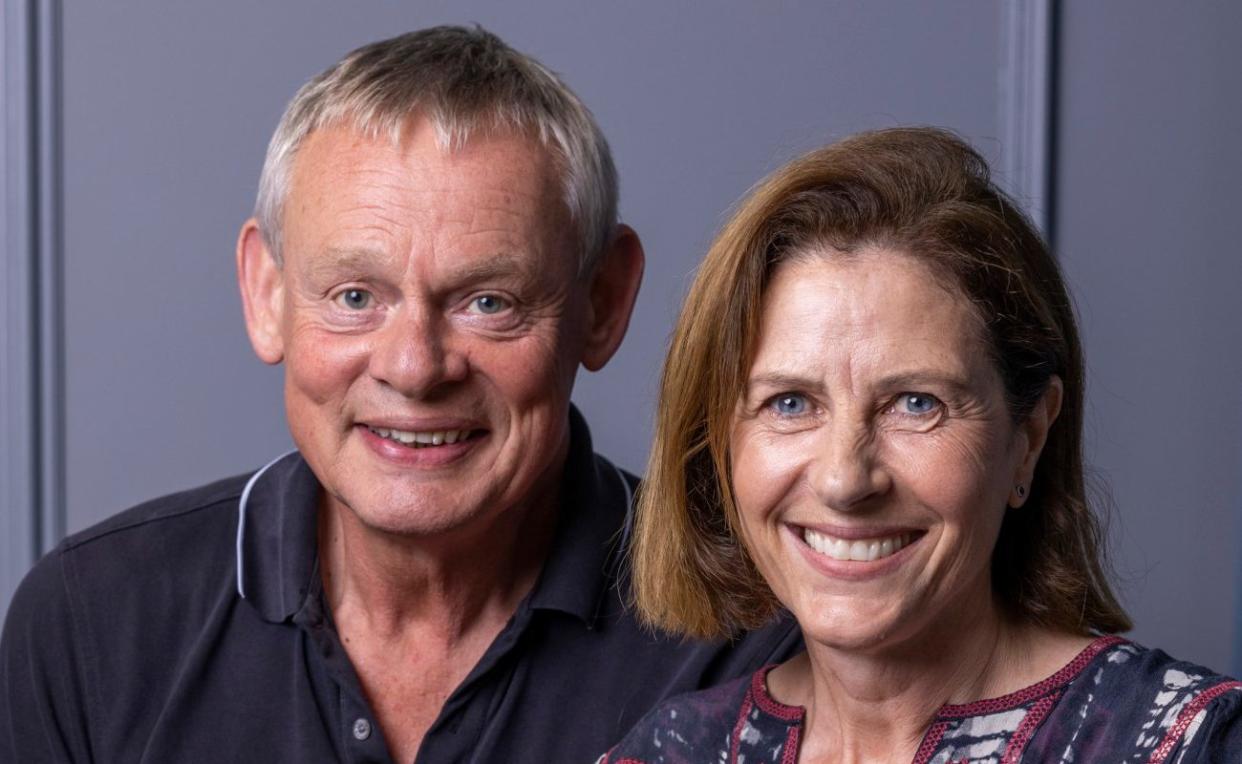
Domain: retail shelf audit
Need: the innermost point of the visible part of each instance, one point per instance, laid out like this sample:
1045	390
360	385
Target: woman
872	416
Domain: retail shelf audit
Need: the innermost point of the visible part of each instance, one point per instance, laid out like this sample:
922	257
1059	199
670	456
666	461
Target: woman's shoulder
1169	709
707	725
1128	669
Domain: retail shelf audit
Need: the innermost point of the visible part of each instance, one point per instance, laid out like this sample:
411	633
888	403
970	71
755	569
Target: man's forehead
361	198
421	147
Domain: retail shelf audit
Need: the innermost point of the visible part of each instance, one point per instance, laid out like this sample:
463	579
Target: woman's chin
852	629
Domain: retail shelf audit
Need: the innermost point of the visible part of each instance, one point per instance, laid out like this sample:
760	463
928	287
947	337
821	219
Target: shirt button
362	729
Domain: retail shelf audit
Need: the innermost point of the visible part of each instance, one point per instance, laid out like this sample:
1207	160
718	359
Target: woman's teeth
861	550
421	439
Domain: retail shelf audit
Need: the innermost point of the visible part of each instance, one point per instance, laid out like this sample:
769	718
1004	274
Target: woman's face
872	452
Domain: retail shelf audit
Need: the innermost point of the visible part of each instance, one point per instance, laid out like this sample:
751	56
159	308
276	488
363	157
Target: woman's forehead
872	309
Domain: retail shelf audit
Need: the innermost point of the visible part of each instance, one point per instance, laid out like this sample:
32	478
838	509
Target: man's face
431	322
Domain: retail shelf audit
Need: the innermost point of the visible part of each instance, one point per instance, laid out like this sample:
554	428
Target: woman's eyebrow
899	380
925	377
784	380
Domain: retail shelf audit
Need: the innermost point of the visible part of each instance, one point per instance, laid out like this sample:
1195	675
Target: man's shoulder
190	506
101	630
139	559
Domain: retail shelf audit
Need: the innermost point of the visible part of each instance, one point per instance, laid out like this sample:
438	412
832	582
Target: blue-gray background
167	108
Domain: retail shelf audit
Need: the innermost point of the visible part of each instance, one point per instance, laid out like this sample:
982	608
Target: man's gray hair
464	81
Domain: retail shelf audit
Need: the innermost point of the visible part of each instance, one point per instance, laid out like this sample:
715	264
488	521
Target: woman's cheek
765	472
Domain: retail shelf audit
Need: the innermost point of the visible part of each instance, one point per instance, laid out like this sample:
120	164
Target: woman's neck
876	704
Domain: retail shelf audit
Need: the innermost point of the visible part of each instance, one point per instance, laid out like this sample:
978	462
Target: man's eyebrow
498	265
336	260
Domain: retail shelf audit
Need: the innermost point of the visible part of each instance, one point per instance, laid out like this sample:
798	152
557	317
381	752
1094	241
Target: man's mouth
424	438
859	550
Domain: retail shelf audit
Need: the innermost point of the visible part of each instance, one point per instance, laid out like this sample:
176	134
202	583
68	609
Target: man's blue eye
490	303
917	403
789	405
354	299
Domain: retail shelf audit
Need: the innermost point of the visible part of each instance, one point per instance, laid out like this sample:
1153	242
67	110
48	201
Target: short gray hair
463	80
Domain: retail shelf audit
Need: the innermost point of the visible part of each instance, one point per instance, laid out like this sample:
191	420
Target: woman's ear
261	281
1035	434
614	289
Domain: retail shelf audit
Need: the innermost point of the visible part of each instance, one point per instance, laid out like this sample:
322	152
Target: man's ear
262	292
1035	431
614	288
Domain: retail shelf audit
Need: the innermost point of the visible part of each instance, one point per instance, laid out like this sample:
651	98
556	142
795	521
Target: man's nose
415	353
845	471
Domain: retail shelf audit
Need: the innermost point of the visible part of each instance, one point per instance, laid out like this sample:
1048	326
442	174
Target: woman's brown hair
927	194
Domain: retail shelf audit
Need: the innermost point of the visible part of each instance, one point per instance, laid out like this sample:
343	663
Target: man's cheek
326	368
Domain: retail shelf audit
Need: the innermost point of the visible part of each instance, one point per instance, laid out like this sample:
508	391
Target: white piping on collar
629	505
241	517
626	531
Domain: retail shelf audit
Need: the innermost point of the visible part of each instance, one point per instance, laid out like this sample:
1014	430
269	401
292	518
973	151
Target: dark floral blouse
1115	702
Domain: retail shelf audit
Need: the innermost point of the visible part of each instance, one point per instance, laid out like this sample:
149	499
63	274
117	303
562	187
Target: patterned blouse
1115	702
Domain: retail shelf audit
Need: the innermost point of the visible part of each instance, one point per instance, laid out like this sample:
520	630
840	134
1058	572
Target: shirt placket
357	733
460	732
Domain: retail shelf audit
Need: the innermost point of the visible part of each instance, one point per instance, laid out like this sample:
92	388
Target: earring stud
1021	491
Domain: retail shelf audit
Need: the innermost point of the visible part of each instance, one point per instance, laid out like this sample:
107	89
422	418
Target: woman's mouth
861	549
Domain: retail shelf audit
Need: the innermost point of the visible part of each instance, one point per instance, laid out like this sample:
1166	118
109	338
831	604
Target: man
435	575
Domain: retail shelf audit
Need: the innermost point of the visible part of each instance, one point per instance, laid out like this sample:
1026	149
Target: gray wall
1148	198
167	113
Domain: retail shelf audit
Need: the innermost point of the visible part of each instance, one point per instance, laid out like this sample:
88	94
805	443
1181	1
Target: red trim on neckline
792	744
931	741
1187	715
735	739
769	704
1021	697
1026	730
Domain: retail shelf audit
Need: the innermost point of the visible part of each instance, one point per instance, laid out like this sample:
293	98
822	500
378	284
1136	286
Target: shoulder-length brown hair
926	193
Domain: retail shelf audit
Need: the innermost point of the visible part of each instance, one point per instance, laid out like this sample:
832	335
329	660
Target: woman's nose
845	472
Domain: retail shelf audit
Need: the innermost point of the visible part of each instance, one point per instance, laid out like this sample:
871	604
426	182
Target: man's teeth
861	550
421	439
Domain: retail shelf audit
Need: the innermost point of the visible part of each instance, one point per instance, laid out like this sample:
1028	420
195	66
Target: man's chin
400	514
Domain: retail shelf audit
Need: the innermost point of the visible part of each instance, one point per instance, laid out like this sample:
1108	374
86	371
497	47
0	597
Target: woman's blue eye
354	299
789	404
917	403
490	303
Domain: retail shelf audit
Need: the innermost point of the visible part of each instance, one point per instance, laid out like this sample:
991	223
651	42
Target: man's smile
424	438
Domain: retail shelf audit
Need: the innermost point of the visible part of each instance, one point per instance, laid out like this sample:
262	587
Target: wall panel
1147	201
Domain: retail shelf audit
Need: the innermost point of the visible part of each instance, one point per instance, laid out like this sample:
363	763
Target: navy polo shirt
193	628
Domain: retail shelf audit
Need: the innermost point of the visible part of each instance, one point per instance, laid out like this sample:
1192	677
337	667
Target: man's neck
415	615
445	585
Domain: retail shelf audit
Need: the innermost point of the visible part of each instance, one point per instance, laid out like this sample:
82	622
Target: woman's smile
866	549
855	559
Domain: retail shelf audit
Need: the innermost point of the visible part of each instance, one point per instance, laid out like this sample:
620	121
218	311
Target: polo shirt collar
277	539
277	542
586	551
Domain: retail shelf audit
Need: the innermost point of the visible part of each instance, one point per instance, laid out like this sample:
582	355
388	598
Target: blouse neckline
1062	677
